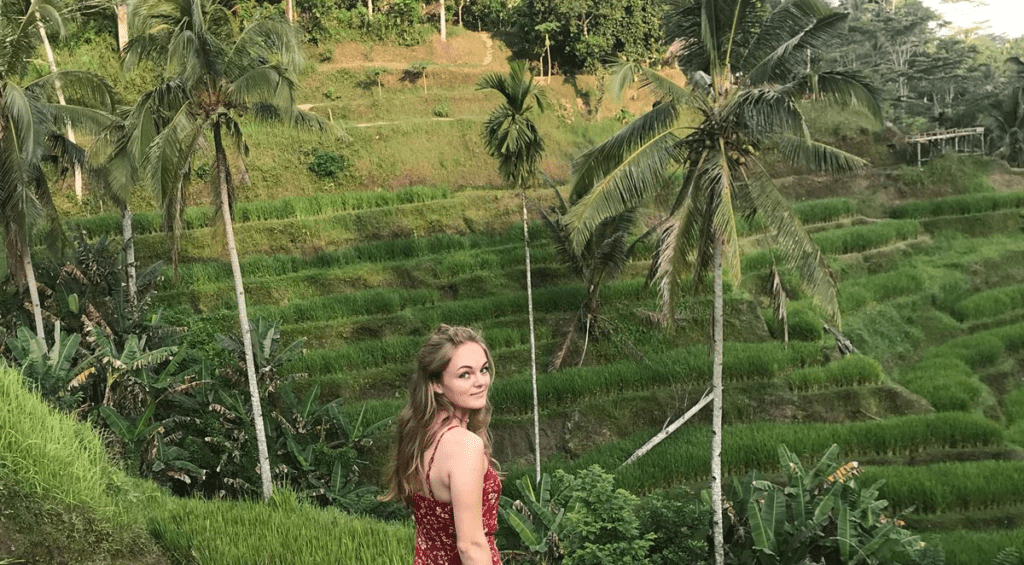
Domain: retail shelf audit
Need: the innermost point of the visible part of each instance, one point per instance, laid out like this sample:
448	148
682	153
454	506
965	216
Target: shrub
768	519
442	110
604	526
327	164
680	523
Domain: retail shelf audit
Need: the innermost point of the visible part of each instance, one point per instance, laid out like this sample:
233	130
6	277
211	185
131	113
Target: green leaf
120	426
774	515
821	513
309	402
523	527
844	532
764	537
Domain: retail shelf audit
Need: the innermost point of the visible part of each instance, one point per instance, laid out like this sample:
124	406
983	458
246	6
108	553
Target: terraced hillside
931	294
364	266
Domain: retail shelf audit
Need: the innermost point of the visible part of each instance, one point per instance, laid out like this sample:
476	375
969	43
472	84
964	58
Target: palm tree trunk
121	9
243	316
129	254
369	7
444	31
33	292
289	11
60	98
716	412
533	343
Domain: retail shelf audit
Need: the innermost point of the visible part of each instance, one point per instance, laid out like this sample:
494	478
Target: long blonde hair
405	474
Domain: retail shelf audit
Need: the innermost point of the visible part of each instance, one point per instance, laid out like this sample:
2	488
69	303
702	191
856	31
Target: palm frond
782	23
788	57
94	121
668	89
83	87
622	76
167	159
266	83
16	108
617	174
266	36
818	156
796	248
759	112
845	88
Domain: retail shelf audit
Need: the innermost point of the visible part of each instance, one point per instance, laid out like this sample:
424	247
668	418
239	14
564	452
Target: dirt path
490	47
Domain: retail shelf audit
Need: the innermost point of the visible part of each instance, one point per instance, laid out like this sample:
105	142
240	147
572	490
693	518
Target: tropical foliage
749	69
32	134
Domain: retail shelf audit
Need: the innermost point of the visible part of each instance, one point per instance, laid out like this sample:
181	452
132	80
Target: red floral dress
435	521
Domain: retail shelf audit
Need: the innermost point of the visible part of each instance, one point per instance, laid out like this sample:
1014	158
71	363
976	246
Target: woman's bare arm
467	485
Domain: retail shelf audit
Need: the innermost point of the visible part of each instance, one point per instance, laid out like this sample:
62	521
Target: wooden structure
963	140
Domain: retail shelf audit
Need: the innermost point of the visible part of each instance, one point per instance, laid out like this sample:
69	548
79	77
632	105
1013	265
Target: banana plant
50	368
821	514
538	517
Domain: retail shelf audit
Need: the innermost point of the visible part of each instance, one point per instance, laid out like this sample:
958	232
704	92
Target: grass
684	456
59	492
284	531
949	487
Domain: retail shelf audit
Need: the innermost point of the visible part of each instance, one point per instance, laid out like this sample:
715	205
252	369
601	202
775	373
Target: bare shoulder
460	443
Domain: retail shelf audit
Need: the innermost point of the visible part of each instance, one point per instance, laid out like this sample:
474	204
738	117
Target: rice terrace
738	311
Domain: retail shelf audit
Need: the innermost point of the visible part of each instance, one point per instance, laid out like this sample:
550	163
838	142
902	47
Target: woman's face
467	379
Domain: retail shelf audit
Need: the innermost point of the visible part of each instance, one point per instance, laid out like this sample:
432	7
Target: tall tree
511	137
749	73
213	75
60	97
31	134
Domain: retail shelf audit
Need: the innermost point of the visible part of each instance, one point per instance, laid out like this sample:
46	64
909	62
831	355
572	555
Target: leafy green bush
819	516
442	110
603	526
681	522
327	164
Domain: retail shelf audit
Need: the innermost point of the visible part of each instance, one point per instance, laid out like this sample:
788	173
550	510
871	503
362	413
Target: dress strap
431	464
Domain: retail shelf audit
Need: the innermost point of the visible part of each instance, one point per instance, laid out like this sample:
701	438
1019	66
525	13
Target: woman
442	465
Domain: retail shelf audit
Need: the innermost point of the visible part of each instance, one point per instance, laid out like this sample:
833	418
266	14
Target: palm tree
213	74
604	255
748	69
30	134
512	138
60	97
1006	118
